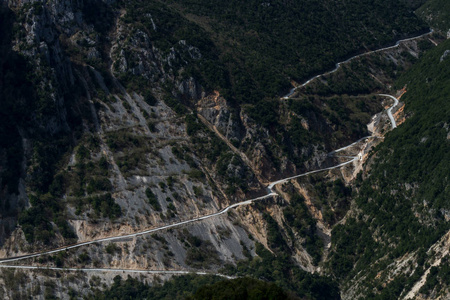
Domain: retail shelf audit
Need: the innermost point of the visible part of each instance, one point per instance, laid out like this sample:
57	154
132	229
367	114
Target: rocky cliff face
104	94
117	146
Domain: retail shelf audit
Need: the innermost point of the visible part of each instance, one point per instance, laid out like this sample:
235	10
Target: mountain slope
437	14
264	46
402	202
76	112
132	115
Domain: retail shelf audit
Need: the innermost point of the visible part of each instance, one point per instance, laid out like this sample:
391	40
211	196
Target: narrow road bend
270	187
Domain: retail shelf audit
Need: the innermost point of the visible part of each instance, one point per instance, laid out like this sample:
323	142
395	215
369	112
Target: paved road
332	153
131	235
270	187
270	193
389	111
338	65
163	272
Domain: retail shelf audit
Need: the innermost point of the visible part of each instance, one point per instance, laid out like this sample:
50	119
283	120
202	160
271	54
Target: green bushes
262	42
121	140
233	179
298	218
36	221
98	184
193	287
193	125
112	249
242	58
439	9
82	153
275	239
439	276
196	174
281	269
355	241
88	176
149	98
333	198
201	253
152	199
401	198
152	126
127	106
130	150
208	145
265	113
175	104
131	160
242	288
177	288
105	206
198	191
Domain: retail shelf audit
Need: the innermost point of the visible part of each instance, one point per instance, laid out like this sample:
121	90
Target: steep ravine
270	186
136	159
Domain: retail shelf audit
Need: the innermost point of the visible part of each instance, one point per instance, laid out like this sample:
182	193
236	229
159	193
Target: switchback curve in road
246	202
389	110
270	193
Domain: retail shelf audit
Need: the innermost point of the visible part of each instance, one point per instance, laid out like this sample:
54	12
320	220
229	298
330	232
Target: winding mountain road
139	271
271	185
270	193
131	235
338	65
389	111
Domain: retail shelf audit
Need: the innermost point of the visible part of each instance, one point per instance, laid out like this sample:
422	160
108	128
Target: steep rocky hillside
398	231
110	97
436	13
122	116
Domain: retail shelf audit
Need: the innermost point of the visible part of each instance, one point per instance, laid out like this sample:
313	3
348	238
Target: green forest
189	287
437	13
252	50
403	199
